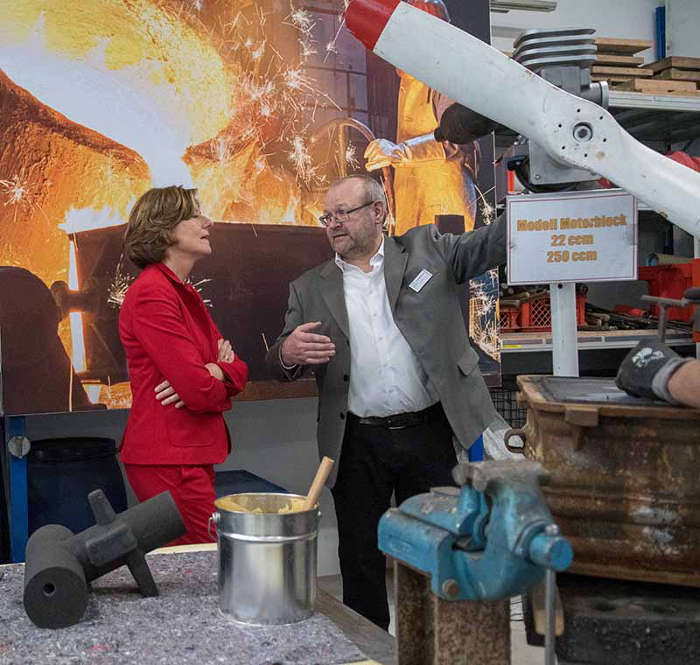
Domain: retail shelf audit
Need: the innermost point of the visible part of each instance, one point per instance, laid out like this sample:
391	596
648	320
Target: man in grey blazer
382	328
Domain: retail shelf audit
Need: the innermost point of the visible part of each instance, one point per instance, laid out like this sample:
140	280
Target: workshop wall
628	19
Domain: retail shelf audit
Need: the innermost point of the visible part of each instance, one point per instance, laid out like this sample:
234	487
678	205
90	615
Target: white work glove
381	152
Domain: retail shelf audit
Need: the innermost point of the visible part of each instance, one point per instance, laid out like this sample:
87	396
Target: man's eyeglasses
341	216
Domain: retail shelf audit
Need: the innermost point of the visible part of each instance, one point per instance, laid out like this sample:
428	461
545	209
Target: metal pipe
562	302
550	636
550	657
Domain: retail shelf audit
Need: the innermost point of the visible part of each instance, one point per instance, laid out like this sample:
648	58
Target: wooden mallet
324	470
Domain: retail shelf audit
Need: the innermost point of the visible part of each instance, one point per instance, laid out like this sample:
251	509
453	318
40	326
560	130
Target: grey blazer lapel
395	259
334	296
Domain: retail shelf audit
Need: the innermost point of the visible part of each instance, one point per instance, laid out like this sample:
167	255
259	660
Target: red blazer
168	333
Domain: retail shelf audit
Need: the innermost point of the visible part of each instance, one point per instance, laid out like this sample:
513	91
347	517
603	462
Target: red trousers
192	488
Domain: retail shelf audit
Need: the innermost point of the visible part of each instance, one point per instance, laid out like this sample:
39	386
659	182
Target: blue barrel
60	475
240	481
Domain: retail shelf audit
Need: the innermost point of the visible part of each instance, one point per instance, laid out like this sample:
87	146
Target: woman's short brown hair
152	219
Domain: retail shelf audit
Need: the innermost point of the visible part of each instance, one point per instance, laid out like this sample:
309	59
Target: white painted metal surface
562	298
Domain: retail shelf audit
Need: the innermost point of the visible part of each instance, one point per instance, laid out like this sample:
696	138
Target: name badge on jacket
420	280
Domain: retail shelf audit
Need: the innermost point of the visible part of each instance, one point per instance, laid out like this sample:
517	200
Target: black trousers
375	462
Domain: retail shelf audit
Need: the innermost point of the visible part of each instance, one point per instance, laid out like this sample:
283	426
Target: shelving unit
600	353
657	118
588	340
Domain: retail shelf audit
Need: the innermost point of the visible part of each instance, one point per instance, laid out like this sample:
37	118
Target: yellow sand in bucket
293	505
236	503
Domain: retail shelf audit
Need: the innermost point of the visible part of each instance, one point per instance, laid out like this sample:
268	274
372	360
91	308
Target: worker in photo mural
431	177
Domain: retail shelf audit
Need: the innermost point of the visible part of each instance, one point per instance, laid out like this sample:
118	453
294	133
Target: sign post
563	238
562	304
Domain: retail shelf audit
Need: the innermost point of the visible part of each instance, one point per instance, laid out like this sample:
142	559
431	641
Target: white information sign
572	237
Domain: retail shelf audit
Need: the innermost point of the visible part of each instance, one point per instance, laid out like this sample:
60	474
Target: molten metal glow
164	83
484	313
76	318
14	190
130	71
93	391
84	219
118	287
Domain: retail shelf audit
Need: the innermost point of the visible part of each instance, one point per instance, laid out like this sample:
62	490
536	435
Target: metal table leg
17	446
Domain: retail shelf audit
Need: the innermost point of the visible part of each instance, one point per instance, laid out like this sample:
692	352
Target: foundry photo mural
259	104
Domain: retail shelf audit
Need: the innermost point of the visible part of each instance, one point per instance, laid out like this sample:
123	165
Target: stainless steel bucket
267	560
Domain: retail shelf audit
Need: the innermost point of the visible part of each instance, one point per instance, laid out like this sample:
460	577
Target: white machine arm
570	129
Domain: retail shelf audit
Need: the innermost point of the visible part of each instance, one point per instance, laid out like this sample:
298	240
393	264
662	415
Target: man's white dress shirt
385	375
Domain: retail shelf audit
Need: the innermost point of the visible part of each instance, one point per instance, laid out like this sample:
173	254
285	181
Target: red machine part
632	311
535	315
671	281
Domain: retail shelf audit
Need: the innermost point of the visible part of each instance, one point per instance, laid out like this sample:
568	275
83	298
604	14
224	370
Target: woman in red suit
183	373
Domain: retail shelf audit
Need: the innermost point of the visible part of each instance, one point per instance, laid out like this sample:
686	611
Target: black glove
461	125
646	370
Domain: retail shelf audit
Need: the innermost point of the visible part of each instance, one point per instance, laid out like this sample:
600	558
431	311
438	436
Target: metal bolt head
552	530
19	446
450	588
583	132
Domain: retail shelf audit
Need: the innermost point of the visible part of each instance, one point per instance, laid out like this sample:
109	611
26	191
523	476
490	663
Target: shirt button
346	377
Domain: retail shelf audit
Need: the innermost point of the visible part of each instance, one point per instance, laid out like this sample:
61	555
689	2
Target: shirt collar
170	274
375	262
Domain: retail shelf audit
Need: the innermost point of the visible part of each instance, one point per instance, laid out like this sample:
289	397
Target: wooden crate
630	72
678	74
615	46
616	62
660	87
674	61
676	68
614	81
620	60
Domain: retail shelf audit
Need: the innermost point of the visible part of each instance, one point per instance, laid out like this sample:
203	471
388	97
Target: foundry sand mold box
622	477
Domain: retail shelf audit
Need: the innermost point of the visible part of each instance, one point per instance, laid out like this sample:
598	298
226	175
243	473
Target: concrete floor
521	652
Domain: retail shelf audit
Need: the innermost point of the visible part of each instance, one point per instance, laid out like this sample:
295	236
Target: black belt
400	420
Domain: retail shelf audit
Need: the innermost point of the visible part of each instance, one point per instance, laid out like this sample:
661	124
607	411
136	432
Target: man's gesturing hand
303	347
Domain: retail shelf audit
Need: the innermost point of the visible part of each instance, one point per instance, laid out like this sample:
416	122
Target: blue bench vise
460	553
492	538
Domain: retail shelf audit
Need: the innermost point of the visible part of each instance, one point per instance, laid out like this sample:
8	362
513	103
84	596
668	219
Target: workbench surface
182	625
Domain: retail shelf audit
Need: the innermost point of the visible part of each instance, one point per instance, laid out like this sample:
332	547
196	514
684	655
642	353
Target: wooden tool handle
319	481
